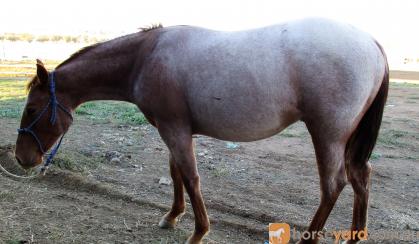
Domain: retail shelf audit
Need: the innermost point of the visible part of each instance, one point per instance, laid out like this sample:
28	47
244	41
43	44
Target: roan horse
237	86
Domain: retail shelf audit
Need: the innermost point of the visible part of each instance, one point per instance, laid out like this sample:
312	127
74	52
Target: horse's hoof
165	224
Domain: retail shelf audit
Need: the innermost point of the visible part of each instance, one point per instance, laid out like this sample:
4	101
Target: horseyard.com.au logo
279	233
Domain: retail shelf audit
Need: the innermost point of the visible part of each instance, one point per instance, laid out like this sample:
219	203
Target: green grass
289	133
12	97
6	196
116	112
375	156
75	161
392	137
12	102
220	172
11	108
12	88
13	94
403	85
14	241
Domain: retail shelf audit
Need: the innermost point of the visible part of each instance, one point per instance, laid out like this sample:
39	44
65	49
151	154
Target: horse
231	85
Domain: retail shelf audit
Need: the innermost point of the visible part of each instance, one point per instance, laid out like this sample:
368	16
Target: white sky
395	23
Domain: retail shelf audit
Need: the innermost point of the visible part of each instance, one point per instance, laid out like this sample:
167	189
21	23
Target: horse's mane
88	48
34	81
78	53
151	27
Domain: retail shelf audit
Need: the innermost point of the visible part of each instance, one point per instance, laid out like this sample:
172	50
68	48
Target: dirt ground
245	188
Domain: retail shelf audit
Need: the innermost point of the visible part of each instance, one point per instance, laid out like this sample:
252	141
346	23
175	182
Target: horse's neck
84	82
103	73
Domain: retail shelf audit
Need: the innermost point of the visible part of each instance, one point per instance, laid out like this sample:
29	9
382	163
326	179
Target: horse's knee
330	196
359	170
332	186
191	181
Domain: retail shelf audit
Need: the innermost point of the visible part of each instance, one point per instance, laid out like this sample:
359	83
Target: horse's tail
362	141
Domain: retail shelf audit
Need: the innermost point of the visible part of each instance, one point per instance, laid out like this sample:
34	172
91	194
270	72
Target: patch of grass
414	157
219	172
75	161
55	234
375	156
12	108
295	130
392	137
12	89
403	157
6	196
289	133
392	156
14	241
117	112
13	95
403	85
403	120
17	68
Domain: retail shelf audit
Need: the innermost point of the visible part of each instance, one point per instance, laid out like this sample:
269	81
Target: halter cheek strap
54	104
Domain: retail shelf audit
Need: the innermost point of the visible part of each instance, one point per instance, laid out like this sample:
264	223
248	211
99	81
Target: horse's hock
8	162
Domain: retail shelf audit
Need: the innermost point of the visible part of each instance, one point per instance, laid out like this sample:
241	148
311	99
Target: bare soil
245	188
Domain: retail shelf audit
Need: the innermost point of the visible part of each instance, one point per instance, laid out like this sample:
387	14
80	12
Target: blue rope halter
53	103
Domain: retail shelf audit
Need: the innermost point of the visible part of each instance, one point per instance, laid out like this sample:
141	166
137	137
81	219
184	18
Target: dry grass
22	69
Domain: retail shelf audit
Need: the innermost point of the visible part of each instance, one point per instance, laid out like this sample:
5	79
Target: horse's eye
30	111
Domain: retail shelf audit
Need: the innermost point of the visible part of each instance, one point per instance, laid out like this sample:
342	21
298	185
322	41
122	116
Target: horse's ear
38	61
41	72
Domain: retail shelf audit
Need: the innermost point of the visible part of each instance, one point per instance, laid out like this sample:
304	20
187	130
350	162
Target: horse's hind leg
359	176
331	167
178	207
178	138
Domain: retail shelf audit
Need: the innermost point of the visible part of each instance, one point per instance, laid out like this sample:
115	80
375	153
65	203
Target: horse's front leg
178	138
170	219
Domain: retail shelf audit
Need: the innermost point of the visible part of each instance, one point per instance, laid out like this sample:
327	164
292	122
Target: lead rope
19	177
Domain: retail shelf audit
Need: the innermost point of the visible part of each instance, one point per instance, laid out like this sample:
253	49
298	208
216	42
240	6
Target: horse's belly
242	119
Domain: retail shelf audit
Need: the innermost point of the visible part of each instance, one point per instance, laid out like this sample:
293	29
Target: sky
394	23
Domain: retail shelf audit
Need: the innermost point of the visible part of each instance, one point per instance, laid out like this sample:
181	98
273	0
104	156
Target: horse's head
42	122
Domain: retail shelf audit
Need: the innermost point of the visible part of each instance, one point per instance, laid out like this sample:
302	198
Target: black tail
362	141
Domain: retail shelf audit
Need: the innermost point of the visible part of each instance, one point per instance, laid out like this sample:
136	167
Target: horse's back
249	85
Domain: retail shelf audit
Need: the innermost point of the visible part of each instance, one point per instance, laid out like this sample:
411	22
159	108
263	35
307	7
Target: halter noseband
53	103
